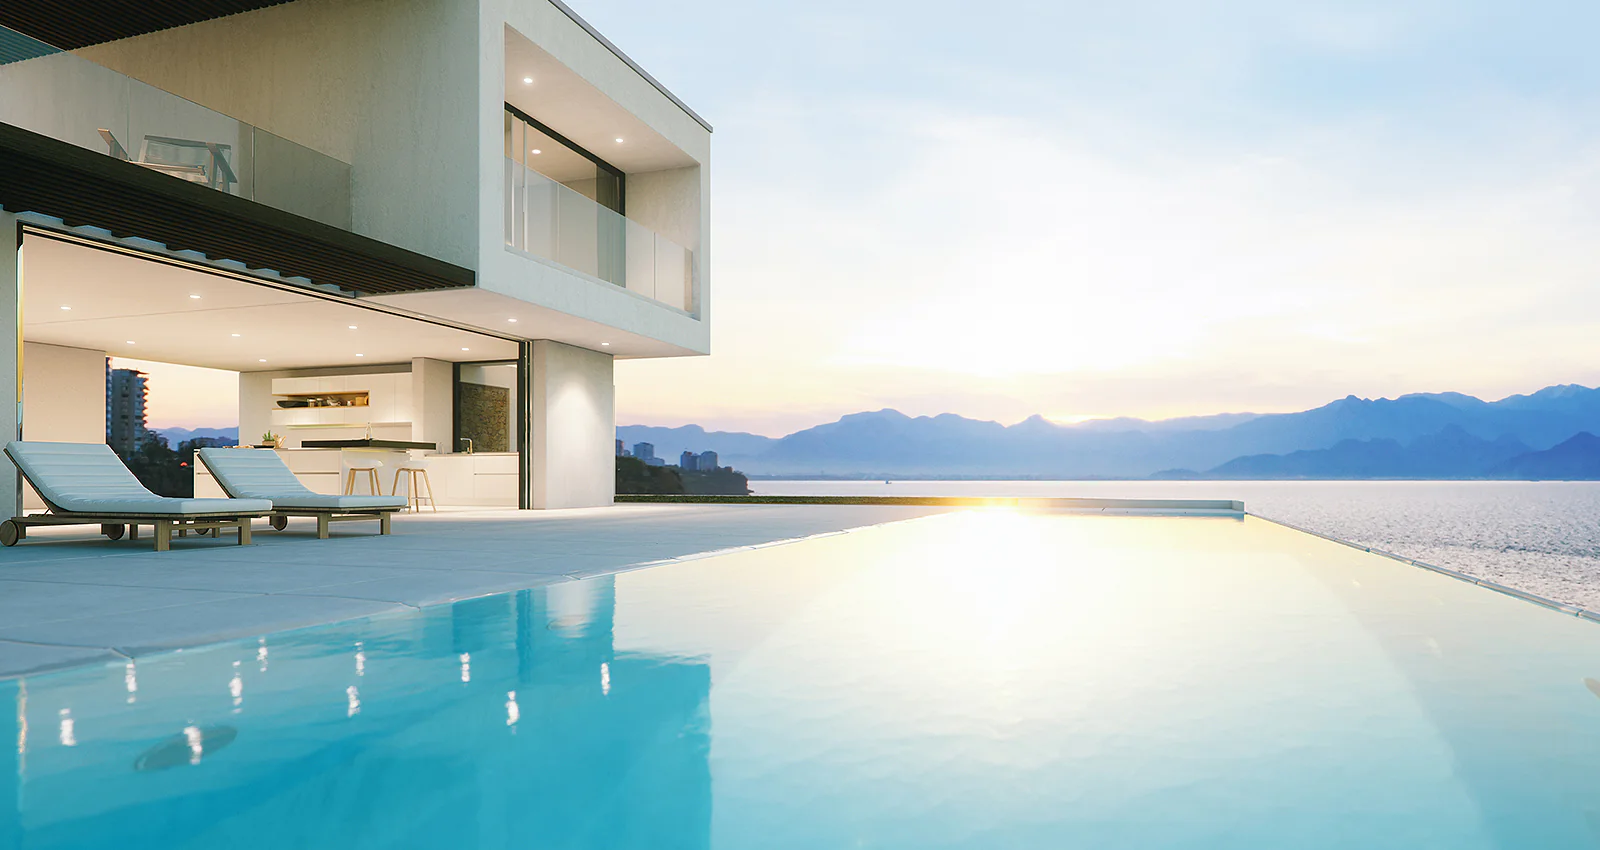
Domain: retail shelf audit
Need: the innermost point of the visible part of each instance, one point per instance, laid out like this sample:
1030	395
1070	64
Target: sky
1143	208
1084	209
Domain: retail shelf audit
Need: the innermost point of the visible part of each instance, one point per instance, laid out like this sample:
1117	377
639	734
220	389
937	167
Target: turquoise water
976	680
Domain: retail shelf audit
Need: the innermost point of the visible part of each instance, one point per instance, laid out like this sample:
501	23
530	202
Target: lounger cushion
262	474
89	478
339	503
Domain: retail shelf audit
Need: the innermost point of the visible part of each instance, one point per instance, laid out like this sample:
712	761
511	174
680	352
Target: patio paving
69	596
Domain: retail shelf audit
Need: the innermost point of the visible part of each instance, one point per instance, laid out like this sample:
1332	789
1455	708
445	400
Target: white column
10	358
574	427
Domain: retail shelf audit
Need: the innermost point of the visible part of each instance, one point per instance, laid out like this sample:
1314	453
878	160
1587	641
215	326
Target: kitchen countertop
399	445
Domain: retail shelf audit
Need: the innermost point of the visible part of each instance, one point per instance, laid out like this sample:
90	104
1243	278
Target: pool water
984	679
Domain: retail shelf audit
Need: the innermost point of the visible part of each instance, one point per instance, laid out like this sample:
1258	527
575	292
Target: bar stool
416	472
370	467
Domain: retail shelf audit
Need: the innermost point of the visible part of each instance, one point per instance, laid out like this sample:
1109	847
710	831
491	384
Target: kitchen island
484	479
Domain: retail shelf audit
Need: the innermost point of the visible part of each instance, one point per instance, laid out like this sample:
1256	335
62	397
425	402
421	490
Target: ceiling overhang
82	188
81	23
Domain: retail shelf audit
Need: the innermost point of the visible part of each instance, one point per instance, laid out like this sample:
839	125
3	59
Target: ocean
1539	536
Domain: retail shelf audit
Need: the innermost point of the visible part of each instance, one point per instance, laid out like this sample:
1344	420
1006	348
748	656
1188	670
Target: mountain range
1422	435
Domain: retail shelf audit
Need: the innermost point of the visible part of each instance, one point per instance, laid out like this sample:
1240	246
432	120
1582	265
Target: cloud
1152	208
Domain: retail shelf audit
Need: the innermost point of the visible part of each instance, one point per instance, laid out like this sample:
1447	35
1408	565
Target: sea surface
1539	536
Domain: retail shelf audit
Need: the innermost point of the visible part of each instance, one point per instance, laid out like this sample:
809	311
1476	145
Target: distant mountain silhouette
1427	434
1451	453
1577	459
732	447
177	435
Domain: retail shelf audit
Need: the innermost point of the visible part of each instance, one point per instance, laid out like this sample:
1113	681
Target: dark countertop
367	444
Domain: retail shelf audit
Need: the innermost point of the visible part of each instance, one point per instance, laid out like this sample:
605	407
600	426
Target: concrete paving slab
27	602
142	632
28	658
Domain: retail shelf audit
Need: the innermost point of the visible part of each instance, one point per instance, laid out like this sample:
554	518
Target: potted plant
270	440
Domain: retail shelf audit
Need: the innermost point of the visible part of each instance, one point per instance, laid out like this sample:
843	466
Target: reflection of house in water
510	721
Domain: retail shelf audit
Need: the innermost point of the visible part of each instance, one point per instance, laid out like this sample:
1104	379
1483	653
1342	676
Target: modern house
426	225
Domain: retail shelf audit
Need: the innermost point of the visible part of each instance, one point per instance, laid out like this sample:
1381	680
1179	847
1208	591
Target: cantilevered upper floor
493	163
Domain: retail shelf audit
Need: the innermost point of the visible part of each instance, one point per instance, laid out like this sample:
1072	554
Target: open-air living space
408	608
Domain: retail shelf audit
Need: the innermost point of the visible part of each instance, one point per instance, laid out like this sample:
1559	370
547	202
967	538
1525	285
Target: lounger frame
112	524
323	516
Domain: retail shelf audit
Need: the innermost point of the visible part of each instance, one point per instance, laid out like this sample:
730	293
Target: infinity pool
983	679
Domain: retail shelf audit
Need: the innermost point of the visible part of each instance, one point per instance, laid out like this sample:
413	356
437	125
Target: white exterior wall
385	85
574	427
544	282
65	397
10	353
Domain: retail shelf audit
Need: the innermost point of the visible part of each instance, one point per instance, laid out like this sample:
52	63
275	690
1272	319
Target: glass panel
486	406
641	271
674	273
73	100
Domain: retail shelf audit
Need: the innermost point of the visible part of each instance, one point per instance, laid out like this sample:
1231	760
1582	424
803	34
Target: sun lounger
262	474
87	484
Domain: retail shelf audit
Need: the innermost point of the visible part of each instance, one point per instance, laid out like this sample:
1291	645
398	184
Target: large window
543	150
486	406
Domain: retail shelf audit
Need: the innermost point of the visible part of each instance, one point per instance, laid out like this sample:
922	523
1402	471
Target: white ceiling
568	104
128	306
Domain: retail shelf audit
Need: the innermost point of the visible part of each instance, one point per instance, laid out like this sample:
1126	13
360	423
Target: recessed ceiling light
361	355
235	334
195	297
513	321
262	360
536	151
130	342
528	80
466	349
605	343
352	327
619	140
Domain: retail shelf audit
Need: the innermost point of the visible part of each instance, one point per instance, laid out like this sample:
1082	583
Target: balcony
548	219
72	100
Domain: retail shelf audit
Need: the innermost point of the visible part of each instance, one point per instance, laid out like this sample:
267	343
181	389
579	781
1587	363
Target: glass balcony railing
553	221
70	99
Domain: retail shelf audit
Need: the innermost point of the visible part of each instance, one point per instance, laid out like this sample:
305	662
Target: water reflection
523	747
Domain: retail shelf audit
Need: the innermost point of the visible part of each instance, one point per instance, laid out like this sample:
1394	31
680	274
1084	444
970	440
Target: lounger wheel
113	531
10	533
279	523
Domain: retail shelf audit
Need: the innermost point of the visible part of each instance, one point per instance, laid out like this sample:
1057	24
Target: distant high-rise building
125	410
645	452
621	452
688	461
706	462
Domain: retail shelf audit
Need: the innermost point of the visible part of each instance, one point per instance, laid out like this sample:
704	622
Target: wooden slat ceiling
80	23
83	188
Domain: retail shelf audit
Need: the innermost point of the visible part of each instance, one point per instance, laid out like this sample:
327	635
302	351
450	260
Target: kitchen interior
459	419
340	384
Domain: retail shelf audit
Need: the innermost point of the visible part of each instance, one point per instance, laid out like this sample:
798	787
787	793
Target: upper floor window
543	150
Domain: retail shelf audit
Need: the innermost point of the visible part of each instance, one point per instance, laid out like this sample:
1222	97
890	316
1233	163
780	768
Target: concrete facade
574	428
400	107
